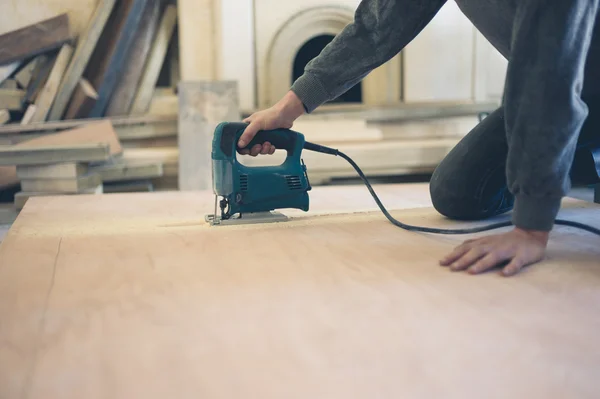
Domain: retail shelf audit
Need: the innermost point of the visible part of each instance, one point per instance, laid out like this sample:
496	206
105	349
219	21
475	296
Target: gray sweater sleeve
543	108
381	28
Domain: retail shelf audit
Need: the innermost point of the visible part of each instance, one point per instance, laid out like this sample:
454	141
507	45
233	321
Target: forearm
544	111
379	31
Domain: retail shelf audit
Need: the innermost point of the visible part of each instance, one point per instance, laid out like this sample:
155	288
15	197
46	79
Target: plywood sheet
130	295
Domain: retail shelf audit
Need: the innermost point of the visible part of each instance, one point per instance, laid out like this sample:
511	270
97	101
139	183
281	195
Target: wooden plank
12	99
69	124
83	100
97	133
35	39
146	131
328	290
15	155
164	104
156	59
122	98
129	187
107	62
4	116
86	44
54	171
46	97
202	106
8	176
62	185
198	42
128	170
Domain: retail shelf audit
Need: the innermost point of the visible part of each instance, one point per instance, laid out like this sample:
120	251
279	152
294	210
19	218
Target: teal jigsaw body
252	189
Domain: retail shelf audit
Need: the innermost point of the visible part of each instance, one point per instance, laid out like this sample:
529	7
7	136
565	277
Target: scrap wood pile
72	105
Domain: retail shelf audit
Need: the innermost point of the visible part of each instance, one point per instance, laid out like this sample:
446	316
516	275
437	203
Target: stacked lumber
53	81
82	160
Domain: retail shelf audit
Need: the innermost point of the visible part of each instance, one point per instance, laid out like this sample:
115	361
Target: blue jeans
470	183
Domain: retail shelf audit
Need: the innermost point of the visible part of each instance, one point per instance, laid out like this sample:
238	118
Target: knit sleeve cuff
531	213
310	91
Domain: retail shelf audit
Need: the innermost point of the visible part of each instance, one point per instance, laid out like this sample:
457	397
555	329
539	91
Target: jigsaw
252	194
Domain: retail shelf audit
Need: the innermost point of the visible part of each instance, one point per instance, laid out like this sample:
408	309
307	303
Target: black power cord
327	150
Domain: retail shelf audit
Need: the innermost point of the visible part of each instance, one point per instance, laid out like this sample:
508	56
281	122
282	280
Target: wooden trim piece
35	39
69	124
53	171
24	75
9	84
15	155
147	131
143	97
86	44
70	185
48	93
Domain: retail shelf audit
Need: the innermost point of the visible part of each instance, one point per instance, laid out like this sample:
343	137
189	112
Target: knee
448	200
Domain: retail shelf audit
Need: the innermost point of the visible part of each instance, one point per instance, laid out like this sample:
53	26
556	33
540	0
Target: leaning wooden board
130	295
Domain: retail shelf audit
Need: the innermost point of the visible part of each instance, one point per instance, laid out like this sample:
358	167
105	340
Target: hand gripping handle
282	139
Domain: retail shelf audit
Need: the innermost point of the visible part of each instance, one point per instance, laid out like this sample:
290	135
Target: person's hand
280	116
517	247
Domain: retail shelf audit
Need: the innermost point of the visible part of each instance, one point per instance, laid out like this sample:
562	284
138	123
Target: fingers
456	254
513	267
249	133
468	259
487	262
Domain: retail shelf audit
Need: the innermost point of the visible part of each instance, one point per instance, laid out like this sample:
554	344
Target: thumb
249	133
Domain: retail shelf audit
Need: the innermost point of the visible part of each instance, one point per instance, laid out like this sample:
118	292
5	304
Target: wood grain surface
132	295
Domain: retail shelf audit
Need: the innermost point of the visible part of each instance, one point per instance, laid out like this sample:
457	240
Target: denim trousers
470	182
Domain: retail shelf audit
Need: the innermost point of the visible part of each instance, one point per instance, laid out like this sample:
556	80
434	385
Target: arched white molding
293	34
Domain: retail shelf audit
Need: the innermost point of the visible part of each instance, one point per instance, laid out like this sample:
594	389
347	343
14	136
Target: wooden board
108	59
86	44
156	58
84	99
63	185
46	97
12	99
149	302
129	80
101	132
53	153
125	170
34	39
4	116
22	196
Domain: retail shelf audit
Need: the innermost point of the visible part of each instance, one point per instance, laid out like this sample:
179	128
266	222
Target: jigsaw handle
282	139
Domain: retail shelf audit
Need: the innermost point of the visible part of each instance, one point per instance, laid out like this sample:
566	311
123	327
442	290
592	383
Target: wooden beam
28	115
104	74
12	99
124	93
197	26
48	93
40	75
156	59
15	155
86	43
124	170
8	70
35	39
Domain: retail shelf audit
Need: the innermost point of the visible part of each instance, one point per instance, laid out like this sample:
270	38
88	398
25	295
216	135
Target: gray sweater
547	43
